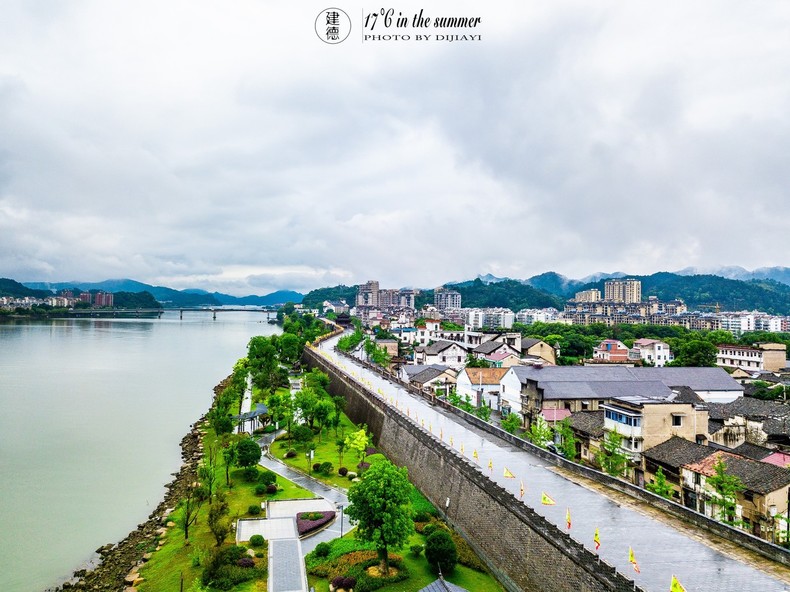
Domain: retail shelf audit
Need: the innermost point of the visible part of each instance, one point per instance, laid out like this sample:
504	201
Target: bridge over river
660	548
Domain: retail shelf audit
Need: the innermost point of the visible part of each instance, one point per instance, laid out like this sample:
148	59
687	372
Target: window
677	421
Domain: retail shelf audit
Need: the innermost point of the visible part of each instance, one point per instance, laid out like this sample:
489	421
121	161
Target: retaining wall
524	551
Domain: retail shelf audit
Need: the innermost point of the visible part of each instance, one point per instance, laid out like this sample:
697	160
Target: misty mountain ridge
171	297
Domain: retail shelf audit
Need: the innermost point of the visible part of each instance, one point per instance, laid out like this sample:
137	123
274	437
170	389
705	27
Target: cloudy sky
223	145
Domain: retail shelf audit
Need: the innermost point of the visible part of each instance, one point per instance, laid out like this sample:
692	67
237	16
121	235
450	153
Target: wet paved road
660	550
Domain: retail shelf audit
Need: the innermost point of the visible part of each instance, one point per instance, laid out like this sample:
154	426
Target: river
93	412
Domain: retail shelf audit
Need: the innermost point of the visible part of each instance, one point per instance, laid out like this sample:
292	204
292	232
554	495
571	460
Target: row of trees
691	348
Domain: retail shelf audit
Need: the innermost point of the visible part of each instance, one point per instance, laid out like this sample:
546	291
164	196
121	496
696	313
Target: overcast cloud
222	145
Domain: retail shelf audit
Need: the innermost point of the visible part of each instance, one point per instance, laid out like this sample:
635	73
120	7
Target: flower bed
305	526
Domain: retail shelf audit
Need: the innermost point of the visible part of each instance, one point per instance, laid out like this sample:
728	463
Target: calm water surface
91	419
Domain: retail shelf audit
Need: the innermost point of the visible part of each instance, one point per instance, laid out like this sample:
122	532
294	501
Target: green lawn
163	572
325	451
420	575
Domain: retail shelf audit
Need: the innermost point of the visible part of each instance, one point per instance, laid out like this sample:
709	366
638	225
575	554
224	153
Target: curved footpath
660	550
335	496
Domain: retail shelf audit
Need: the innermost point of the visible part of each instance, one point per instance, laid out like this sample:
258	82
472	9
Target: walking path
335	496
661	550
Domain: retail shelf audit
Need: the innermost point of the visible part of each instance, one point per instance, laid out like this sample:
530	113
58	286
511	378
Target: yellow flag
546	500
568	518
521	490
632	559
597	540
490	464
474	453
451	441
508	474
675	586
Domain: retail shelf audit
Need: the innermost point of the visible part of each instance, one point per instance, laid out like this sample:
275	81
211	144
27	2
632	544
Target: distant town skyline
229	149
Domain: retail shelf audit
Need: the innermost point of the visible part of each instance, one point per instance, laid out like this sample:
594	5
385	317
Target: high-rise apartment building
444	298
627	291
368	294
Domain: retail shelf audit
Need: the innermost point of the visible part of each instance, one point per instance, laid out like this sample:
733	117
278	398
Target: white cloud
225	147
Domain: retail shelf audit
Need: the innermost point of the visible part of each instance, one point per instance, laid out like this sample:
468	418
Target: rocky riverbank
118	561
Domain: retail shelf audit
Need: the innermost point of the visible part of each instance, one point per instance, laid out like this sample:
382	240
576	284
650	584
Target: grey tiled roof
490	346
686	395
528	342
753	451
630	389
426	375
588	422
757	476
748	407
698	379
438	347
412	370
677	451
442	585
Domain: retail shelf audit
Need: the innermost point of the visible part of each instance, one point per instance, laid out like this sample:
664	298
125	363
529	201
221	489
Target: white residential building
654	351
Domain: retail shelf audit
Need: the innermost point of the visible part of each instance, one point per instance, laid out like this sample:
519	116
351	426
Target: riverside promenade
659	550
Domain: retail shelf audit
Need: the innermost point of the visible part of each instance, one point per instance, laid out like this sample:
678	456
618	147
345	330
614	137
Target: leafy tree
358	441
248	453
540	433
290	348
483	412
188	509
306	402
380	505
726	488
230	457
303	436
473	362
567	439
611	457
660	485
511	423
323	411
340	446
440	551
697	352
218	521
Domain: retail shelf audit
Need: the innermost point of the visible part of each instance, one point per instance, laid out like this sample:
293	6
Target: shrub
267	477
260	554
271	488
322	549
290	453
363	466
342	471
429	528
338	582
314	521
260	489
351	475
422	517
256	540
326	468
440	551
349	583
246	562
254	509
416	550
250	474
466	556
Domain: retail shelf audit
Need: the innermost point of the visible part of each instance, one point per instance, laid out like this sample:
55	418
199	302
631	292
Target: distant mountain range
726	288
170	297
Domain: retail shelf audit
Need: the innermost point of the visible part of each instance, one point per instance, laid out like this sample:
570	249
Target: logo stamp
332	25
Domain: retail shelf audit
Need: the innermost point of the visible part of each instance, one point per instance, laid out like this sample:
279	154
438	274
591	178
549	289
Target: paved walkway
661	550
335	496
